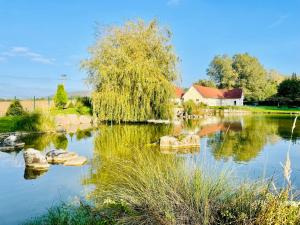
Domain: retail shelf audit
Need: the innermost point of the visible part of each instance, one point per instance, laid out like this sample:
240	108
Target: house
214	96
179	92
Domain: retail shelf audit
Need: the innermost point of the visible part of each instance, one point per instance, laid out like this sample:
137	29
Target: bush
81	108
15	109
191	108
71	105
35	121
61	97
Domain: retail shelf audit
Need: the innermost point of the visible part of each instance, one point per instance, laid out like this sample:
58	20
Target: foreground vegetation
139	185
151	191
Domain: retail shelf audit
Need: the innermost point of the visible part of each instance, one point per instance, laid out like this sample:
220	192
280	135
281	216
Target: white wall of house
194	95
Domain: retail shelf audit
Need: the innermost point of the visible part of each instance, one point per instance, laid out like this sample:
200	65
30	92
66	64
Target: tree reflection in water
245	144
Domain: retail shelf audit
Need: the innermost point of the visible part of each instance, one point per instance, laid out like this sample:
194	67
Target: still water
252	146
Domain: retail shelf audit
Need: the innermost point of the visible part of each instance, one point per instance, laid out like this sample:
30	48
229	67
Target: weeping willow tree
132	69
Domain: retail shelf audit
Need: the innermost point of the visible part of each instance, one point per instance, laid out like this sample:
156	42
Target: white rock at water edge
10	140
35	159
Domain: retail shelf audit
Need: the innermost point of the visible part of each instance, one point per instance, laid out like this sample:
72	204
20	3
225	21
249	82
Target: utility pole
63	78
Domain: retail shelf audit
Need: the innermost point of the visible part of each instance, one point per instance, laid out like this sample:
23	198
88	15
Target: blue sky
40	40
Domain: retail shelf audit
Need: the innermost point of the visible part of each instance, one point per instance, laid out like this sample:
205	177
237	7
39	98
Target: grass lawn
81	111
272	109
261	109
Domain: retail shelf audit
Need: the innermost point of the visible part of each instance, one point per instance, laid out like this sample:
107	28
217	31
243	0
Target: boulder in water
189	141
10	140
78	161
35	160
60	156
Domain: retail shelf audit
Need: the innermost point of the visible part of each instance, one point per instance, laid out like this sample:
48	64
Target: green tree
290	88
61	97
246	72
220	70
15	109
132	69
206	83
252	77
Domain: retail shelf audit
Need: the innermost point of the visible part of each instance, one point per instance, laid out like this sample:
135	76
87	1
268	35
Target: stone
168	141
85	119
72	119
60	120
78	161
189	141
58	156
35	160
10	140
60	129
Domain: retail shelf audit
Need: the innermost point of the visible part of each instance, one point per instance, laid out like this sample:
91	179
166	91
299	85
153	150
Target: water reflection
30	174
125	147
245	144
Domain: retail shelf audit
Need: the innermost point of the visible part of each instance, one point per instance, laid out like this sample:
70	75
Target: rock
72	119
60	156
85	119
10	140
35	160
60	129
78	161
60	120
168	141
189	141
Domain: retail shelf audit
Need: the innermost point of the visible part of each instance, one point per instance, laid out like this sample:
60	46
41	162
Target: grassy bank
149	190
261	109
35	121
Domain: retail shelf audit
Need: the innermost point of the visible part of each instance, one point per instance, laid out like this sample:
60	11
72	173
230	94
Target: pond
252	146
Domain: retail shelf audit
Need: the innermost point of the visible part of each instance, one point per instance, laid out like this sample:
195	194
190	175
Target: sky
40	40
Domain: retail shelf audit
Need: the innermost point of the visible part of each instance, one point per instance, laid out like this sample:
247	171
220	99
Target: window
234	102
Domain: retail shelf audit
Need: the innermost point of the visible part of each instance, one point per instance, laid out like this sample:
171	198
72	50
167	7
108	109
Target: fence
28	105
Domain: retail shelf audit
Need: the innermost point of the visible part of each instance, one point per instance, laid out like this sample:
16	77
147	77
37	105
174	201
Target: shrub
191	108
71	105
35	121
61	97
81	108
15	109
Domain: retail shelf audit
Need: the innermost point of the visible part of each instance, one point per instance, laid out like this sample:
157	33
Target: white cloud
173	2
20	51
278	21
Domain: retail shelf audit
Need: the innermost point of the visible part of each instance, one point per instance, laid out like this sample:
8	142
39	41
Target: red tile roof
179	92
208	92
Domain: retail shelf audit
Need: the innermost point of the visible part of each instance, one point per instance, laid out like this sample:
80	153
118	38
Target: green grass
67	214
78	111
261	109
30	122
8	123
283	109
